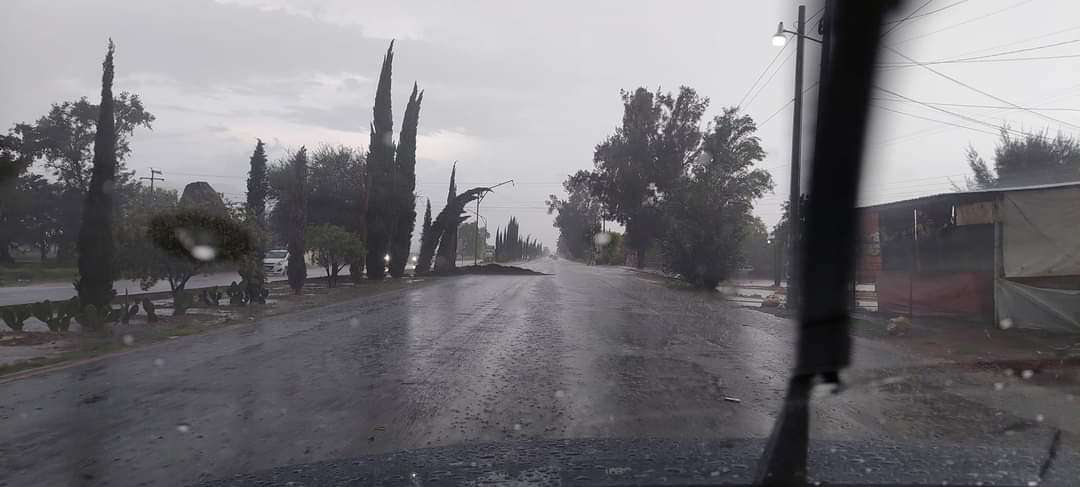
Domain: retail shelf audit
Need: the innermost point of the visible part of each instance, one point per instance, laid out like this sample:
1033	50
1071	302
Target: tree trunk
5	252
356	270
640	256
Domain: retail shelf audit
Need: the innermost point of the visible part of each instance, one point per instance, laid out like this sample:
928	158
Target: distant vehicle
276	261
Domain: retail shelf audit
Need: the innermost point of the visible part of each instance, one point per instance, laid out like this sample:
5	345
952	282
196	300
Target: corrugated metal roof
975	194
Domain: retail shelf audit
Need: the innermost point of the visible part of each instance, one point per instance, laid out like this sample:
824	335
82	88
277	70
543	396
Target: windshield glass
491	242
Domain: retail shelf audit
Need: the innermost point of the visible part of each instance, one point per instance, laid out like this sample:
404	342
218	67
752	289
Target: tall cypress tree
257	185
405	186
297	269
380	173
251	272
451	233
96	269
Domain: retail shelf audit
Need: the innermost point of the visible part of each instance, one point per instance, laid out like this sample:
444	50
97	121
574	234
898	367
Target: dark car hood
670	462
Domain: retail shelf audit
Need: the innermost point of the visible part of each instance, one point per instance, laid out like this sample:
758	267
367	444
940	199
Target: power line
901	21
762	88
958	24
975	105
879	107
1061	94
789	102
763	71
984	61
942	110
985	56
984	93
1019	41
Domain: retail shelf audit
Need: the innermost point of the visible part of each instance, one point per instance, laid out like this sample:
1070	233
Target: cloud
446	145
379	21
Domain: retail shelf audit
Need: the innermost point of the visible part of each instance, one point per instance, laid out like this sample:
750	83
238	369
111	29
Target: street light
779	39
476	240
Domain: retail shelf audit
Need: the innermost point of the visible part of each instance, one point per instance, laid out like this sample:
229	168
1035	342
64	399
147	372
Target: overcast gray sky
521	90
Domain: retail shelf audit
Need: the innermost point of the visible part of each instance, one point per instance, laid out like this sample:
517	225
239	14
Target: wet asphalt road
586	352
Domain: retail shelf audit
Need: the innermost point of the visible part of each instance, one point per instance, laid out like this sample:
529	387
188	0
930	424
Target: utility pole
796	159
153	177
476	240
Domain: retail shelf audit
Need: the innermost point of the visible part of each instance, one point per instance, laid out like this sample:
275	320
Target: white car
276	261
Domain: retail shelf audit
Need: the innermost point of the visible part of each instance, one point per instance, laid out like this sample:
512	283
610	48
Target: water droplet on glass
1009	372
602	238
204	252
1006	323
999	386
1033	483
1027	374
354	322
158	362
23	416
183	428
560	394
128	340
185	238
1039	418
517	427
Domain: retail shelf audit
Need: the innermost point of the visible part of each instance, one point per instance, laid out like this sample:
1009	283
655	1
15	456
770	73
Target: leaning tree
443	235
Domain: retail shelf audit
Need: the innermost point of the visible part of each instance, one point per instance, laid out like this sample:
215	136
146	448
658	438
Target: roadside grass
24	273
202	320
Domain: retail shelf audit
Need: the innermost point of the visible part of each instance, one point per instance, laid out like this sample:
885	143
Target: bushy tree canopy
659	136
709	213
1027	159
334	248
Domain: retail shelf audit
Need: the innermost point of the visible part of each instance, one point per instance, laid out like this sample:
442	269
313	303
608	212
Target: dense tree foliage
609	249
441	246
297	204
252	275
646	156
13	202
758	250
380	160
63	142
404	191
30	215
159	240
450	238
511	246
335	191
709	211
96	269
467	241
189	240
577	217
334	247
1027	159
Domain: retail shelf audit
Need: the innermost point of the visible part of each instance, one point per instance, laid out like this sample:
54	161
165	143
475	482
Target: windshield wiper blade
851	35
